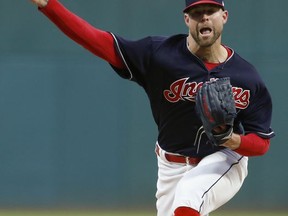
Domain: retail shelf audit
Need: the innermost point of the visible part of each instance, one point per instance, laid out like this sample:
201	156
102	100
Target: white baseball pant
203	187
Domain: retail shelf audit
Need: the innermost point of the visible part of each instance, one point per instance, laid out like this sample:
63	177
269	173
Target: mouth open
205	31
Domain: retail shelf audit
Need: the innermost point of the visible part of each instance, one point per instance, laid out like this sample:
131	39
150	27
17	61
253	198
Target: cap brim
202	2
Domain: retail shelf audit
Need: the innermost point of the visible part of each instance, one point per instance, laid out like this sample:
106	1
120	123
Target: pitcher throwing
202	153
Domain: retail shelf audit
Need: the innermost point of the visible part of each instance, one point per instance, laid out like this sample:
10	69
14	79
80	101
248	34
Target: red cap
191	3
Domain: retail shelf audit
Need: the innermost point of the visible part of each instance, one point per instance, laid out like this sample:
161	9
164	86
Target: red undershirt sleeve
100	43
253	145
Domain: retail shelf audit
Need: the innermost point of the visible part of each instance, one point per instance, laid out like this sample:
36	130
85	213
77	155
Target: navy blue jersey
171	76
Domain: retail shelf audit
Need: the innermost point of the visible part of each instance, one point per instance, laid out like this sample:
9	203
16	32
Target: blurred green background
75	135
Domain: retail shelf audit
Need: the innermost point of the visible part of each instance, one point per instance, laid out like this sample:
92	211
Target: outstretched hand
40	3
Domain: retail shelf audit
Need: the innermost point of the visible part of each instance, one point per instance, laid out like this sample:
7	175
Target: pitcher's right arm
99	42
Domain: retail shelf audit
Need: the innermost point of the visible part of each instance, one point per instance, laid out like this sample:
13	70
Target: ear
186	19
225	16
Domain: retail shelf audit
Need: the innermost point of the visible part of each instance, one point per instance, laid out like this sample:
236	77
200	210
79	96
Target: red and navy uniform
171	75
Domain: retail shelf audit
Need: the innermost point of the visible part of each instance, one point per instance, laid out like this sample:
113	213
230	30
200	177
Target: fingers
40	3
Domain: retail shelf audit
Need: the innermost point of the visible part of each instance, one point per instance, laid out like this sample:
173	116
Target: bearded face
205	23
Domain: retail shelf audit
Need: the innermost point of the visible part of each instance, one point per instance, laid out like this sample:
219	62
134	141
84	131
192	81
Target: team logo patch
182	90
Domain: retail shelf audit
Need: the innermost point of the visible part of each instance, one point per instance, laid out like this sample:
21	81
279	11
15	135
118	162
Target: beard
203	41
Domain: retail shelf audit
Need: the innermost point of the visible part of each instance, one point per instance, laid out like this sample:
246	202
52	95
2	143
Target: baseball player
195	176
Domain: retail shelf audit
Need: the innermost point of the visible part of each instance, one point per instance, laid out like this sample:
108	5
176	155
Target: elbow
265	148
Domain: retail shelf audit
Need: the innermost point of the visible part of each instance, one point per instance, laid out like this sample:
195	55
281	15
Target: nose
205	16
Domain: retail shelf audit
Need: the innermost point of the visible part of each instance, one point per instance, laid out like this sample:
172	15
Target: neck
215	53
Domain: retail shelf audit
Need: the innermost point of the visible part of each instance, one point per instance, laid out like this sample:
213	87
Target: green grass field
130	213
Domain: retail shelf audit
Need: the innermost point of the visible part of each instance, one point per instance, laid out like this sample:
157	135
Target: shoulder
150	41
240	62
243	68
171	41
244	74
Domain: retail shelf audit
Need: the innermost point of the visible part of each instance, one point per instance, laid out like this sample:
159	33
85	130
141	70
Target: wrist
238	140
234	142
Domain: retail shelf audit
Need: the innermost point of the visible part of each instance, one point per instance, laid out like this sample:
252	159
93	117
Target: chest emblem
182	90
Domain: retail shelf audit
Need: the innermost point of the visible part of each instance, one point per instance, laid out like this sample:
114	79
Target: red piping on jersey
101	43
210	65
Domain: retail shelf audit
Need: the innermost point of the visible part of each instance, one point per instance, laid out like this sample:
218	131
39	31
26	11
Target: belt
178	158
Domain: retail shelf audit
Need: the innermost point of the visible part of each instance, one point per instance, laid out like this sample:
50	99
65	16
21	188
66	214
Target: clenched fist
40	3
